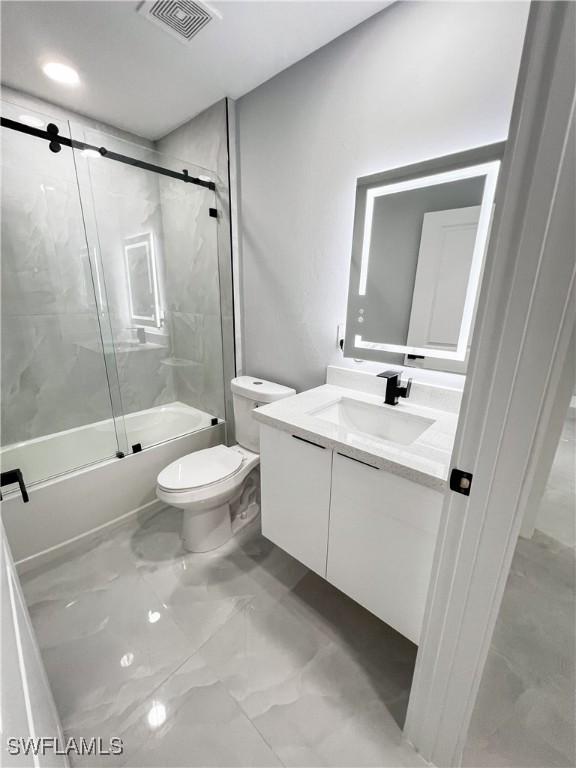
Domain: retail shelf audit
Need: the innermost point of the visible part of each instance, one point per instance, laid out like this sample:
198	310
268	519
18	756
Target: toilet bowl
204	484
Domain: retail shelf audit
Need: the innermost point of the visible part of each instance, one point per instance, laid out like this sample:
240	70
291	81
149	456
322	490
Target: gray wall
416	81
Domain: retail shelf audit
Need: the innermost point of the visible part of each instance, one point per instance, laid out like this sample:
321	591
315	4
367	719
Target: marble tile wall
121	202
200	309
54	373
192	294
50	382
53	368
48	311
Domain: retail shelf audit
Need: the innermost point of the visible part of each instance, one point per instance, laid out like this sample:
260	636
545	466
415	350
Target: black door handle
12	476
303	439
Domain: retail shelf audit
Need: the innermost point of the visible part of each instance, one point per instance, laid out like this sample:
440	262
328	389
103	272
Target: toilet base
205	531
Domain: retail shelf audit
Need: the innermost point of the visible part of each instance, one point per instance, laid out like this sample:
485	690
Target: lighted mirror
142	280
420	237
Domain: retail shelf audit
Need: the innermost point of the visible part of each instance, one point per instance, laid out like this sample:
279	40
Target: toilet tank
249	392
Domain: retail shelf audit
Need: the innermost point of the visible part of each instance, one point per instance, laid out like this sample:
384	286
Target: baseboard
52	553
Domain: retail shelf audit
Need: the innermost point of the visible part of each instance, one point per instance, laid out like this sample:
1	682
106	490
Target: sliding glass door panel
154	244
56	408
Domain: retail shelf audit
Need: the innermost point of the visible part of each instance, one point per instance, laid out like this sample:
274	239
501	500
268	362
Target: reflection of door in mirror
441	283
444	261
142	280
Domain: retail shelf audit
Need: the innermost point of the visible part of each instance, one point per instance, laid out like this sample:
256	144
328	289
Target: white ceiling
139	78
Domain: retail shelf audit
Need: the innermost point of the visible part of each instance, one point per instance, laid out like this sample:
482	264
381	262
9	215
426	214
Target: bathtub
51	455
66	506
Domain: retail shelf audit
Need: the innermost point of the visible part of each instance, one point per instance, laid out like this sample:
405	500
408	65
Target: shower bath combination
112	338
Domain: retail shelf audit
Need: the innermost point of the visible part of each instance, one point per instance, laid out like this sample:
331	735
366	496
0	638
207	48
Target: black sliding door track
57	142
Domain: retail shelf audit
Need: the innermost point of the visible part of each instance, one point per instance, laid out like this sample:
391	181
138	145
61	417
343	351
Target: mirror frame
481	161
146	240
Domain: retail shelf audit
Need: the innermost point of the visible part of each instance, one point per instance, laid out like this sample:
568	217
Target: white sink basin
378	421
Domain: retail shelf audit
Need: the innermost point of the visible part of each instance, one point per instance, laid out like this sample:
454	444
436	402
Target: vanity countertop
426	460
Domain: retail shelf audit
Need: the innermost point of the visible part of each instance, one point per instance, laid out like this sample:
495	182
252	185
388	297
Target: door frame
526	318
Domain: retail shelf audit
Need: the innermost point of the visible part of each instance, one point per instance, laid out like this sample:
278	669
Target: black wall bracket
460	481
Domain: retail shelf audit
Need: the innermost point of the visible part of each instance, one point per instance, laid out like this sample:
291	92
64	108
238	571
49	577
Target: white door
444	261
526	317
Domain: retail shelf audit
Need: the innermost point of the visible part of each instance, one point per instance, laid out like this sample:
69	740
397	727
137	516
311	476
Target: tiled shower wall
53	374
200	332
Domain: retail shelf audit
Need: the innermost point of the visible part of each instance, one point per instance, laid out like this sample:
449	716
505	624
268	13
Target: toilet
206	482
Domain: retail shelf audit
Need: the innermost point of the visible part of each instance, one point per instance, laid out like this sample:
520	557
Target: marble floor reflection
240	658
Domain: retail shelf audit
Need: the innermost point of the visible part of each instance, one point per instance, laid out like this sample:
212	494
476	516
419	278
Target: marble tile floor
240	658
526	708
525	712
557	513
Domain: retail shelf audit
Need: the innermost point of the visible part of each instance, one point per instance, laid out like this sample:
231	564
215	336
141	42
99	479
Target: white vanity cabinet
368	531
295	483
383	531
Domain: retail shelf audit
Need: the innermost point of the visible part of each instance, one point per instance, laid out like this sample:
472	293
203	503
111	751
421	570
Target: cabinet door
295	477
382	535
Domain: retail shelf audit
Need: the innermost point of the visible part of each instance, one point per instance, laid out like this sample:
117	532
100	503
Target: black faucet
393	388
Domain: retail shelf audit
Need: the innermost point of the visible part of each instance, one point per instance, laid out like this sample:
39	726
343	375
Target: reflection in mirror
420	237
142	280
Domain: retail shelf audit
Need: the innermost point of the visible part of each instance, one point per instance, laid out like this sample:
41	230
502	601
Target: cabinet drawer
383	532
295	478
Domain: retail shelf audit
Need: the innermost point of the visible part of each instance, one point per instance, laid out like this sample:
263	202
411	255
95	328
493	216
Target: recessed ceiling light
33	122
91	153
61	73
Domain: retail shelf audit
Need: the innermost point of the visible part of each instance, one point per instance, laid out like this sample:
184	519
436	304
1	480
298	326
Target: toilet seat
200	469
219	491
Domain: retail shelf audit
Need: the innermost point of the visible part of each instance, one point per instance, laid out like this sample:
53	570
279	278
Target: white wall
416	81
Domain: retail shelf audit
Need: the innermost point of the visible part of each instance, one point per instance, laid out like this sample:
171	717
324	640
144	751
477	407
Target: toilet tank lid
259	389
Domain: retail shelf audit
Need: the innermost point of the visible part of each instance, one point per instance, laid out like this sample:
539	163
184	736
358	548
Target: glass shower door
56	410
154	239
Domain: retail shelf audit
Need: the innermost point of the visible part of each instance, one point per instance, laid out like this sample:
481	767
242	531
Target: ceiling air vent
183	19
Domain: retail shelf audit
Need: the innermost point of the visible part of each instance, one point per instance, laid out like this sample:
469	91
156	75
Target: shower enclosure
111	336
